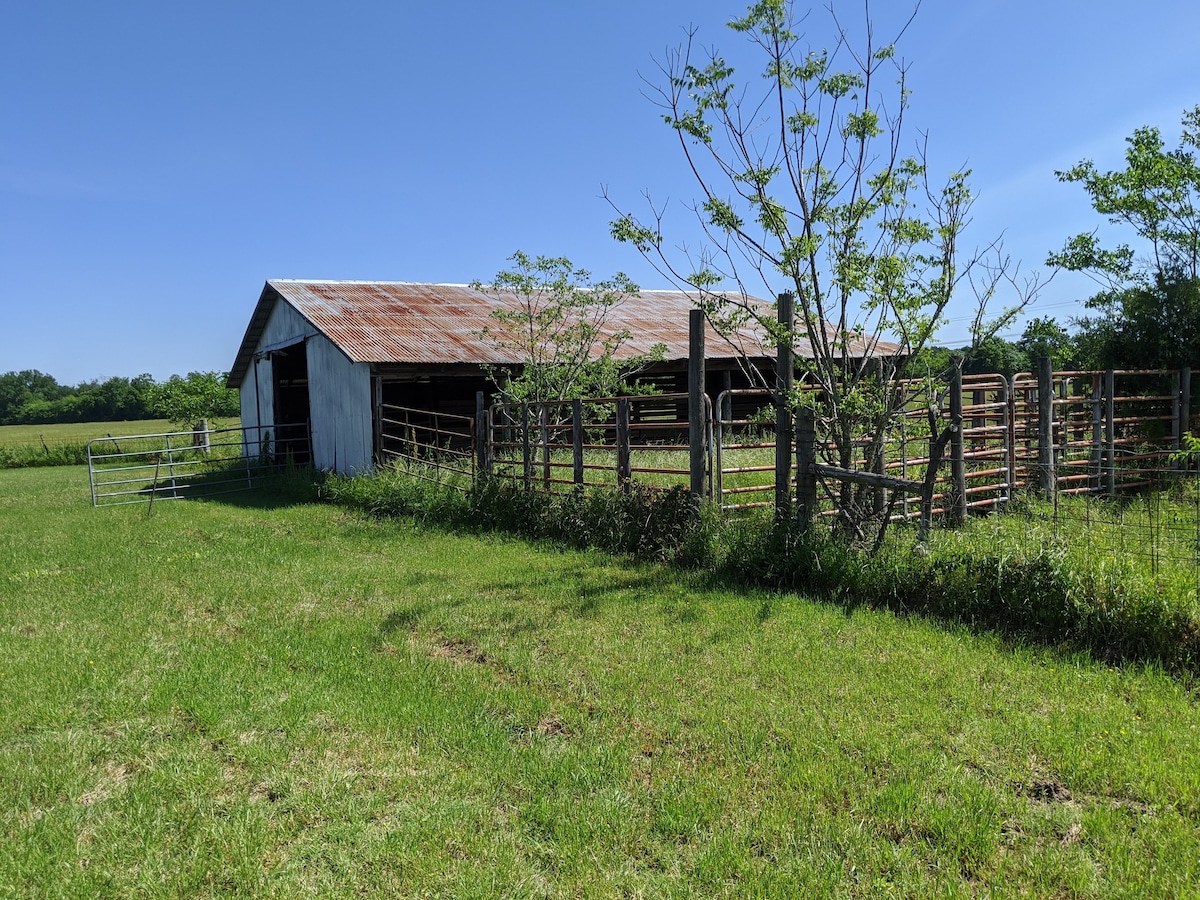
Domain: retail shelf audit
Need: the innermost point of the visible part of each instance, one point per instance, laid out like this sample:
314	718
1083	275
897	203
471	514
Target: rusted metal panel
442	324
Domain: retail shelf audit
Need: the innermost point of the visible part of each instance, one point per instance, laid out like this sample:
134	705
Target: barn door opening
290	373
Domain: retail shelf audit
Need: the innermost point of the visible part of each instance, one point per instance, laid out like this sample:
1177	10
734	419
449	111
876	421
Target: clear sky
160	161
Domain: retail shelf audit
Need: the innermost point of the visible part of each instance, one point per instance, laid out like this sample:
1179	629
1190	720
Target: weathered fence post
544	426
624	473
958	460
1183	399
202	439
785	368
526	450
1047	480
806	476
1110	433
698	456
483	468
577	441
1096	482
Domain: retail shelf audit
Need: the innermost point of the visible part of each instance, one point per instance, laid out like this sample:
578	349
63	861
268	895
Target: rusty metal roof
407	323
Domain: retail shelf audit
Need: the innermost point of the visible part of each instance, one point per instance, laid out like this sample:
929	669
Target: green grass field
29	446
269	697
32	435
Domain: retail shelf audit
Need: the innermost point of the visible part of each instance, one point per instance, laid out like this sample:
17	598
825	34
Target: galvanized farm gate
205	462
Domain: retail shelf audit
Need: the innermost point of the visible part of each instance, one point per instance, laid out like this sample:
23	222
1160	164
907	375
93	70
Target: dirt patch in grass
459	651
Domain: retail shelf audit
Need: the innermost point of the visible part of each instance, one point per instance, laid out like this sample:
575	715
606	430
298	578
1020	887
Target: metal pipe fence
432	446
605	441
189	464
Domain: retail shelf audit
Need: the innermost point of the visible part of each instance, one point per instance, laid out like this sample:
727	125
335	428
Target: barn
330	354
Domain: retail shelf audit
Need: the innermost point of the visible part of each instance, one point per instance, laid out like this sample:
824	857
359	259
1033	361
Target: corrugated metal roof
407	323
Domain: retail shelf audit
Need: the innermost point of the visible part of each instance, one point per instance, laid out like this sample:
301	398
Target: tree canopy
31	397
558	327
1148	315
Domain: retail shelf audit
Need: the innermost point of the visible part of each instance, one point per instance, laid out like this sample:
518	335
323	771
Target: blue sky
159	161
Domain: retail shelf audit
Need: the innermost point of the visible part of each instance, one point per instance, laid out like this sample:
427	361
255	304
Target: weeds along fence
598	442
190	464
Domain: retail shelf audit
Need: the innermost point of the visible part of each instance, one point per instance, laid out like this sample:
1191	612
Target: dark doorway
290	370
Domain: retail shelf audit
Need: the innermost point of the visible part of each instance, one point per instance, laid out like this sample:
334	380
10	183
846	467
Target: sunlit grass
27	446
78	432
273	697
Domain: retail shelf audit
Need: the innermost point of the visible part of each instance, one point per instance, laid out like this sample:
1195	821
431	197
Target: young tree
806	186
557	320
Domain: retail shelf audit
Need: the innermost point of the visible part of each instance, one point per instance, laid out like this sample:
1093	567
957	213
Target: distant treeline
31	397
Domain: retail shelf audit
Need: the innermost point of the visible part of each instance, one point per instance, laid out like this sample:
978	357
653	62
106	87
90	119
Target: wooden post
482	470
1110	433
526	450
958	462
1096	482
544	423
1047	479
624	475
785	369
577	440
1178	425
806	476
1185	404
697	452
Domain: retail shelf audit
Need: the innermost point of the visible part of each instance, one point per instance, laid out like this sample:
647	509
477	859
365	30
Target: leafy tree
804	187
202	395
1045	337
1156	195
559	327
1149	313
20	388
1154	326
994	355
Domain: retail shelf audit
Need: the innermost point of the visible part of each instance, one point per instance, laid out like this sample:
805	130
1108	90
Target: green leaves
721	215
555	318
1156	194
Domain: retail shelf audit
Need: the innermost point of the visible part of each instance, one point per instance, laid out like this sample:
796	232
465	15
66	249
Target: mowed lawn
269	697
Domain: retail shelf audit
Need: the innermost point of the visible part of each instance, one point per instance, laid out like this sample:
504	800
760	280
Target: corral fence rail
605	441
1087	432
175	465
433	446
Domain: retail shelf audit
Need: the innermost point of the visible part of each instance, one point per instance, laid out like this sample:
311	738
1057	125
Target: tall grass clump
988	576
996	573
23	456
651	523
